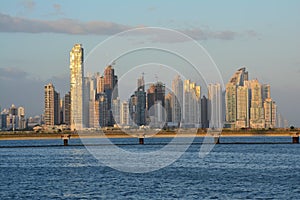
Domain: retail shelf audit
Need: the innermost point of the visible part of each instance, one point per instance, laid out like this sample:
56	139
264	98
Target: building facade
76	86
51	106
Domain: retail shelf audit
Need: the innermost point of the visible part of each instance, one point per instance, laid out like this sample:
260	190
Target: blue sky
36	38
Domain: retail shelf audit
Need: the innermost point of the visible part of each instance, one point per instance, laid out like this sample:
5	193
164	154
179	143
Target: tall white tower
76	87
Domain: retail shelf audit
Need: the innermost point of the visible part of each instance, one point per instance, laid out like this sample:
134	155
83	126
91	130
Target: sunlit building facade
76	86
177	100
51	105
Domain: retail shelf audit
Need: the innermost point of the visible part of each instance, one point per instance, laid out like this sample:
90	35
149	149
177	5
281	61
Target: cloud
10	73
71	26
200	34
68	26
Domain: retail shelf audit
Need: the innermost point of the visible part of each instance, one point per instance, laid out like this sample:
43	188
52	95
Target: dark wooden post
141	140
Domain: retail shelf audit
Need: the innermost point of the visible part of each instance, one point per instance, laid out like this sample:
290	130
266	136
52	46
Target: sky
37	36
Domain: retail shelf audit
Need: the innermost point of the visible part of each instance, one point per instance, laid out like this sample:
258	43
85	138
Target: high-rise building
137	104
133	101
168	107
100	84
204	113
101	109
51	112
61	111
141	84
124	114
266	92
256	109
93	123
215	103
236	80
177	100
86	100
270	110
21	118
156	104
243	110
76	87
67	108
192	113
111	90
116	109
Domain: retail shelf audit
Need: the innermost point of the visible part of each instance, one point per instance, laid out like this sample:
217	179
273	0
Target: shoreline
115	134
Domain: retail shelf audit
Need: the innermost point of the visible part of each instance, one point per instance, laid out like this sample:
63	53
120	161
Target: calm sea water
230	171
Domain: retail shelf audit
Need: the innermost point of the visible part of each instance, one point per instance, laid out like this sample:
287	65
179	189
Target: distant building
156	105
111	90
133	101
266	92
51	106
204	113
137	104
257	119
124	114
192	112
238	79
116	109
67	108
168	107
215	103
21	118
243	110
101	109
100	83
76	86
177	100
270	113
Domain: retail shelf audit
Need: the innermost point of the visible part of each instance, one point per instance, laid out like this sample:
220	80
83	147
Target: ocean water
267	168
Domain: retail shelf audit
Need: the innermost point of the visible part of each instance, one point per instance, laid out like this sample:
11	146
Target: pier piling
217	140
141	140
66	138
295	139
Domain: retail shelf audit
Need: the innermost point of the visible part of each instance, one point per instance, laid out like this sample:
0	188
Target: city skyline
93	102
266	44
246	103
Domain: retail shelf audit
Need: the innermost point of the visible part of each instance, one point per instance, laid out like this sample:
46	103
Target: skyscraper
21	118
86	100
101	109
192	114
168	107
137	104
204	113
256	109
100	84
177	100
243	110
270	114
67	108
156	104
51	112
141	84
215	102
236	80
266	92
93	123
76	87
116	109
111	90
124	114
